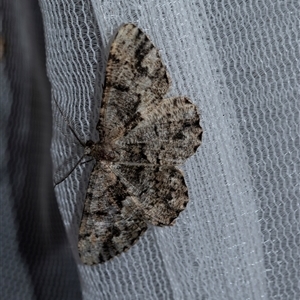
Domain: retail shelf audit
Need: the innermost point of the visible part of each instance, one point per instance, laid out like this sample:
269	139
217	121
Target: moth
143	137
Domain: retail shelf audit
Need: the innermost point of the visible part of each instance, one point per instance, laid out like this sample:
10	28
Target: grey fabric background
36	261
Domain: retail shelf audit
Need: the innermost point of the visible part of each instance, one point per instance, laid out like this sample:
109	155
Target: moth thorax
101	152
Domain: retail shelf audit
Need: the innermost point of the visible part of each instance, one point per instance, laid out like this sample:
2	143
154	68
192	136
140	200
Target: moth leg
68	174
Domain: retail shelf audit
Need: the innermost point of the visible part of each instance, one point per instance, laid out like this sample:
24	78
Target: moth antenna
68	123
